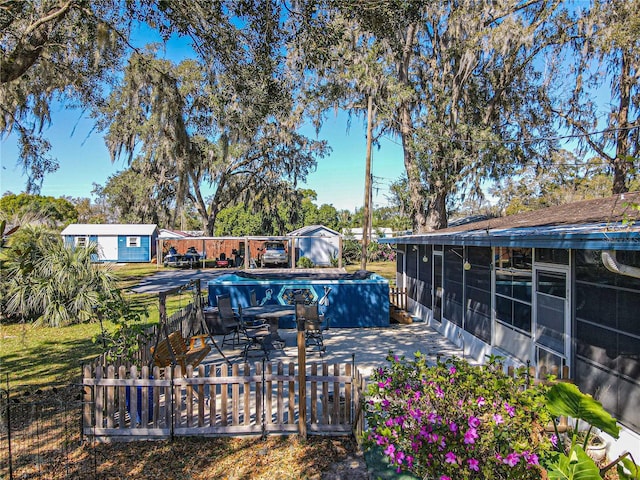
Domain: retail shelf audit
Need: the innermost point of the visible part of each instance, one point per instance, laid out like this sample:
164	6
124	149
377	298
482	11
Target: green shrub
304	262
456	421
351	252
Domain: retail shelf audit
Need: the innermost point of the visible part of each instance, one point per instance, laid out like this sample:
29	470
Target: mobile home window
513	287
558	256
133	242
81	241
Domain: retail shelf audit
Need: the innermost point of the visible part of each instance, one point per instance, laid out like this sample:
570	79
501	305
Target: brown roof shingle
612	209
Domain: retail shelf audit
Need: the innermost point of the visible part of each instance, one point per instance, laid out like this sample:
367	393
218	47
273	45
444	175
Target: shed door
552	319
108	248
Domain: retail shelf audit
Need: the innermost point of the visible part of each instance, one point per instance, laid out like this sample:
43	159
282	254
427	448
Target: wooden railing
398	297
220	400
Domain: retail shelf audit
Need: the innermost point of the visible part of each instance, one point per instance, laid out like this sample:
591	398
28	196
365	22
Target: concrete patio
369	345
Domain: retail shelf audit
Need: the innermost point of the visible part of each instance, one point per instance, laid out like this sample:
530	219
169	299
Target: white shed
116	242
318	243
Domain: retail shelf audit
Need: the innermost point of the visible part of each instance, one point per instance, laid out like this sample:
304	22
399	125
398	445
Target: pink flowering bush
456	421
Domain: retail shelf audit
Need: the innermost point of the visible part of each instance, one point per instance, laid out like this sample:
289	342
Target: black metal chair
229	319
314	324
258	336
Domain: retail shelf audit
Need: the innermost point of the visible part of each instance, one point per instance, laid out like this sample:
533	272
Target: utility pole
366	227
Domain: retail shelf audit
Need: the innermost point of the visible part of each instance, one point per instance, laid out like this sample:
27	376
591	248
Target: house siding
141	253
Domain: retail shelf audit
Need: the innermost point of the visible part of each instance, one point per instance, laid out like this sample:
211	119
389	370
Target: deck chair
230	321
314	324
257	335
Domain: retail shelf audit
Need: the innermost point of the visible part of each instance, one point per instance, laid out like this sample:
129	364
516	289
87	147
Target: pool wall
351	302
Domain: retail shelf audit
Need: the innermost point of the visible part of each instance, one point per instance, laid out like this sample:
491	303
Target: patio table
271	313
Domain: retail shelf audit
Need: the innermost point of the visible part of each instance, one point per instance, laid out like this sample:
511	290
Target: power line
527	141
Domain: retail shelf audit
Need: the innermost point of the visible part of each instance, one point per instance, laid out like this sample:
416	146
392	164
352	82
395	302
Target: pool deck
370	346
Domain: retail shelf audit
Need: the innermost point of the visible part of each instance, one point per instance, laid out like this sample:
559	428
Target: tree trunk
416	192
621	163
437	217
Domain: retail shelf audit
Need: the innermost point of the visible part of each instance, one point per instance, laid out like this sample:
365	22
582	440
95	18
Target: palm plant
50	283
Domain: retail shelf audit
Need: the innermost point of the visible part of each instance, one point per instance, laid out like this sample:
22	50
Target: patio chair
314	325
258	336
229	319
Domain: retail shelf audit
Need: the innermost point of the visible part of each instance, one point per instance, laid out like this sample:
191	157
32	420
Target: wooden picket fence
216	400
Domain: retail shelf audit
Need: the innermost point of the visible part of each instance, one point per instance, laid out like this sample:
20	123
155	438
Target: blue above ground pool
359	299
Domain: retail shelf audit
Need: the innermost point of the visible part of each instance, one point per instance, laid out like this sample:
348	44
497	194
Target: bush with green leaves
351	252
380	252
49	283
305	262
454	420
570	460
129	332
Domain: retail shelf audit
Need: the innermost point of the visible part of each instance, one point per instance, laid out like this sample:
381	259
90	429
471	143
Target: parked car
274	254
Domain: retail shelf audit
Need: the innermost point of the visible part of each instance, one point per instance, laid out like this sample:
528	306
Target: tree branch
26	53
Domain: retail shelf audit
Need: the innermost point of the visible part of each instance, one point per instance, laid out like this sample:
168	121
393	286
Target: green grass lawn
384	269
47	355
53	355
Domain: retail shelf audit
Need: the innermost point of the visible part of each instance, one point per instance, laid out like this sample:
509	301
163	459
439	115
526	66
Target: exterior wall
114	248
320	250
140	253
605	360
608	334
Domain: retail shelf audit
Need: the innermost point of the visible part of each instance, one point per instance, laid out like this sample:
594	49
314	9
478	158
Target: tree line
474	91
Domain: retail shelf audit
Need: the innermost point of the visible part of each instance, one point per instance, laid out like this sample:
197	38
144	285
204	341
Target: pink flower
512	459
473	464
554	440
470	436
445	477
498	418
450	457
452	370
390	451
510	410
474	422
453	427
439	392
530	458
480	401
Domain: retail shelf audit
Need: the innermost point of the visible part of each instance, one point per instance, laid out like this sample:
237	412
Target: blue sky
84	159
